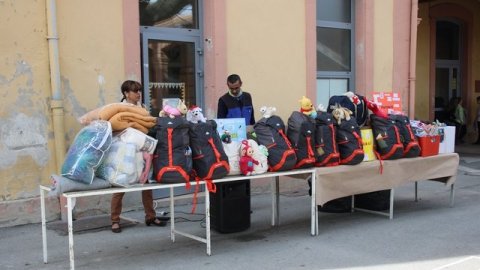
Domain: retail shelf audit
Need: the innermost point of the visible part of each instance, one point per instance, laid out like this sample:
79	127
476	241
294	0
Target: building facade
62	59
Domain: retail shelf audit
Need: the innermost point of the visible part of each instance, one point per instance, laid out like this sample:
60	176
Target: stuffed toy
306	107
173	112
375	108
267	112
195	115
247	161
226	137
353	98
321	108
340	113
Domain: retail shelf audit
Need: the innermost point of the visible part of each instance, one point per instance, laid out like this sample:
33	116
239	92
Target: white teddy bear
195	115
267	112
321	108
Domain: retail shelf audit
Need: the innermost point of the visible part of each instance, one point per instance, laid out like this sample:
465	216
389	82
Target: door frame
175	35
194	36
464	17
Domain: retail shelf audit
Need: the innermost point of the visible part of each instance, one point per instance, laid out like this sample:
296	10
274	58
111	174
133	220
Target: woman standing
132	93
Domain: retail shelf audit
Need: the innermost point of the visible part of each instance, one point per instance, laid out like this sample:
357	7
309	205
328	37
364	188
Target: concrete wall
91	67
26	153
266	47
383	38
423	65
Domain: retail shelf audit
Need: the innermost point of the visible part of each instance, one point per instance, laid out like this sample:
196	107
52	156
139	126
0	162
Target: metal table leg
172	215
314	212
416	191
275	200
452	195
44	225
70	232
207	221
392	194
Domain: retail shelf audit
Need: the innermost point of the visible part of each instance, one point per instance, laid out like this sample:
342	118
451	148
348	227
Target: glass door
447	86
172	69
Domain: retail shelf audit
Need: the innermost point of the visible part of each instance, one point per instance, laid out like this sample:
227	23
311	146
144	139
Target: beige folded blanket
108	111
123	120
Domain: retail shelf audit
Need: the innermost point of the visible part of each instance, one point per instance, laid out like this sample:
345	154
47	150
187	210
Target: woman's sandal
156	222
116	227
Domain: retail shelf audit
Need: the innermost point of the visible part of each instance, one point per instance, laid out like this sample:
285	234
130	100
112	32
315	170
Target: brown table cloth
344	180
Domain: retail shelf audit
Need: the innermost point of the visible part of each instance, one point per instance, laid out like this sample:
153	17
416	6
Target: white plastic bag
123	165
232	150
260	154
143	142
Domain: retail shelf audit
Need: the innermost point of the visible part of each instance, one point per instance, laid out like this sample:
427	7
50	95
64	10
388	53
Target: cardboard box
234	126
447	139
368	144
429	145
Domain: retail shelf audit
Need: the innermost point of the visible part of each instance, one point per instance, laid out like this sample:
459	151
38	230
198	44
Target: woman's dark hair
130	85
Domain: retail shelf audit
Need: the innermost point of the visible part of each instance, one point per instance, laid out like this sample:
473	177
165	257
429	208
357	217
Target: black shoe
156	222
340	205
116	227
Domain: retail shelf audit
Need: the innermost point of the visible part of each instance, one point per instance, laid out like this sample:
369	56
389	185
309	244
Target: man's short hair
233	78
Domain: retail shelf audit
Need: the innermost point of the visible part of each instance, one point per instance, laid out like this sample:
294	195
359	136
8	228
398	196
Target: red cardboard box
429	145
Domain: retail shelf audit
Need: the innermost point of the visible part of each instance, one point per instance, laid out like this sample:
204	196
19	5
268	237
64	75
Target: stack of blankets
122	116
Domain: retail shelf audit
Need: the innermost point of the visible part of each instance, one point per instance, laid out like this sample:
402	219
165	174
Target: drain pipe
56	102
414	21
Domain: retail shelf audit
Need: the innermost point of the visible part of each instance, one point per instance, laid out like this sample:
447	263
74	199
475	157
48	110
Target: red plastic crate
429	145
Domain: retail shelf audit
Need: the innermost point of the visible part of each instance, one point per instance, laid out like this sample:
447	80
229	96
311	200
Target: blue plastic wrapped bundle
87	151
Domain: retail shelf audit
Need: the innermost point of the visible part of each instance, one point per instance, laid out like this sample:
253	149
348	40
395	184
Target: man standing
236	103
230	205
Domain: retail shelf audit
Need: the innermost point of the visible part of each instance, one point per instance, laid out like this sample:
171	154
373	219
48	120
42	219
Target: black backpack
271	133
387	137
360	111
301	133
411	148
209	158
172	161
326	147
349	142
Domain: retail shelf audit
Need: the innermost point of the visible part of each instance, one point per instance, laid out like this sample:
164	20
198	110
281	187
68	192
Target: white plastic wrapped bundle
143	142
232	150
122	165
260	154
87	151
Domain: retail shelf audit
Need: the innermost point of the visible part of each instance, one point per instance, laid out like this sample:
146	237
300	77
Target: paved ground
423	235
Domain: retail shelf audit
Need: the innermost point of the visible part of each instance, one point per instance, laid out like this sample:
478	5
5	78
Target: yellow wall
91	56
266	47
422	85
383	46
91	65
25	143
